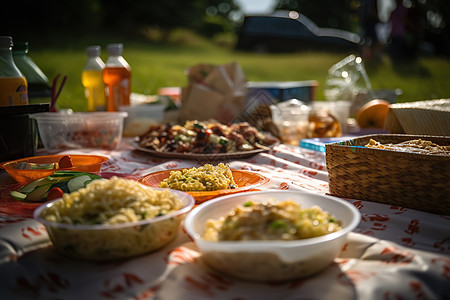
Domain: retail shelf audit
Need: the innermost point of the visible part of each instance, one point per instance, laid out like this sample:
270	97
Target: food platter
81	163
205	140
245	180
201	156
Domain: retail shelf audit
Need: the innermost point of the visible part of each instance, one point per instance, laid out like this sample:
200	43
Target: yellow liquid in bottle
13	91
94	89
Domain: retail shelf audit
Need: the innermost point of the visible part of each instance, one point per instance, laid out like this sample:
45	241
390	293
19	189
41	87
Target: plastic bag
348	80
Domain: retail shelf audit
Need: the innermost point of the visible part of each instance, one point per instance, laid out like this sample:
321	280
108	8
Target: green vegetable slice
18	195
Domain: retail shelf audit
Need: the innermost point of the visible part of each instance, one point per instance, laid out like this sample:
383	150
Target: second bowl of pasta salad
113	219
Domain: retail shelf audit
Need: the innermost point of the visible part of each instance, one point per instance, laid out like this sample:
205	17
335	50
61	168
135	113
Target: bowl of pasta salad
114	218
271	236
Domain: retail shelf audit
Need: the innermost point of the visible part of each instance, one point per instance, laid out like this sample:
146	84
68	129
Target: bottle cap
21	46
93	51
115	49
6	41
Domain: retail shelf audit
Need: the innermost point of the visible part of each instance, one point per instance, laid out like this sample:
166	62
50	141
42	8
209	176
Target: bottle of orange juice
92	79
13	85
117	78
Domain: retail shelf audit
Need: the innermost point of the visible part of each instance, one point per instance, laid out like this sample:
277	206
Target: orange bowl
81	163
245	180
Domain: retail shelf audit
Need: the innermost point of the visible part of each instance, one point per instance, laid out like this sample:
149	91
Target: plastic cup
339	109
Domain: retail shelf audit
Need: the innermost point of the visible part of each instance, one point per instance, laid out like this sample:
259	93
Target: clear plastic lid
115	49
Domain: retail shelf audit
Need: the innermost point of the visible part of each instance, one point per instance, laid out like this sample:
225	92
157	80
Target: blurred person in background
369	20
403	39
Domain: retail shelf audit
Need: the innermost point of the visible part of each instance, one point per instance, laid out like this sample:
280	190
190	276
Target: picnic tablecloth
394	253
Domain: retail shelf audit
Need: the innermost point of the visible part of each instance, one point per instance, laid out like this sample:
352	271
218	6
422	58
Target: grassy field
160	65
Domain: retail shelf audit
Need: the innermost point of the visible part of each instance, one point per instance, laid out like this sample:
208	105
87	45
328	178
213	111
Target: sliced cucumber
87	182
21	165
18	195
34	184
49	166
62	185
63	173
93	176
77	183
67	181
39	193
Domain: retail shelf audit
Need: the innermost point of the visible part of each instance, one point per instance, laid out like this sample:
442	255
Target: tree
126	16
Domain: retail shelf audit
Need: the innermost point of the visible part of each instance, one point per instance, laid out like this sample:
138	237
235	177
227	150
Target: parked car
289	31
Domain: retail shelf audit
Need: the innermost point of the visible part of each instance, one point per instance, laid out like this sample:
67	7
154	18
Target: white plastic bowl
271	260
115	241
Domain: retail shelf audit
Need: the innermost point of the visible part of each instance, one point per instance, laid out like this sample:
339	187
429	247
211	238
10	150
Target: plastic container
141	117
13	84
62	130
92	80
285	90
339	109
274	260
291	118
117	78
39	90
94	242
18	133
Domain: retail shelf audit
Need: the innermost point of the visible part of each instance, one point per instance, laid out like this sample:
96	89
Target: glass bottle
117	78
92	80
39	90
13	85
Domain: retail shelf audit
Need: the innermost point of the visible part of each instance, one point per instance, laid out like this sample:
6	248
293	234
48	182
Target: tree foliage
110	15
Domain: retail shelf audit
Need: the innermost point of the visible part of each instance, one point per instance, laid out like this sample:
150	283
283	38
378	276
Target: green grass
156	65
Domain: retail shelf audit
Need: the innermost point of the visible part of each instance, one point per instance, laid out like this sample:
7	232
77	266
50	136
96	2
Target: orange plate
245	181
81	163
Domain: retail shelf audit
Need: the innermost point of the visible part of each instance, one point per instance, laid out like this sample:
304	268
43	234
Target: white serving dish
271	260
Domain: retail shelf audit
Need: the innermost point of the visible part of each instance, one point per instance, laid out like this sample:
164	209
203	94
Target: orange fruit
373	114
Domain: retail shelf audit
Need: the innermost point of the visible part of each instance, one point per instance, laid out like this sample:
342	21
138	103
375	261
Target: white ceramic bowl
115	241
271	260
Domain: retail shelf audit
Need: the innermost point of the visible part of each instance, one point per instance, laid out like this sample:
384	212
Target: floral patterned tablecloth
395	252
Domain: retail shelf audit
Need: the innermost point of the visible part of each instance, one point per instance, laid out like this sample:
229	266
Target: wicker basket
410	180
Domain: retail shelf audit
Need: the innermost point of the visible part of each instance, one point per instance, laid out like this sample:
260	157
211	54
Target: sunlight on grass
156	65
